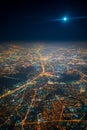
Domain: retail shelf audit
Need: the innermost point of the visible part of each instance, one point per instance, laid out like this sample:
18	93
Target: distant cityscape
43	87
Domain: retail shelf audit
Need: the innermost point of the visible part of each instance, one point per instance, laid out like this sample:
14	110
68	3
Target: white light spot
65	19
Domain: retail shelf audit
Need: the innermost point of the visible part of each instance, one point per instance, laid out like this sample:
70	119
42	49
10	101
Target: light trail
81	17
67	18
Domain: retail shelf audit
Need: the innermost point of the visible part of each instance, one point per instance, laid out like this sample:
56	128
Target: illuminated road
28	111
21	87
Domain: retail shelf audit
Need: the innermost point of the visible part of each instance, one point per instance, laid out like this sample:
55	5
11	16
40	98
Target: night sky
30	21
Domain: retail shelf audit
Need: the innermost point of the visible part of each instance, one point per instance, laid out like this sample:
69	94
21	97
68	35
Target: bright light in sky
65	18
